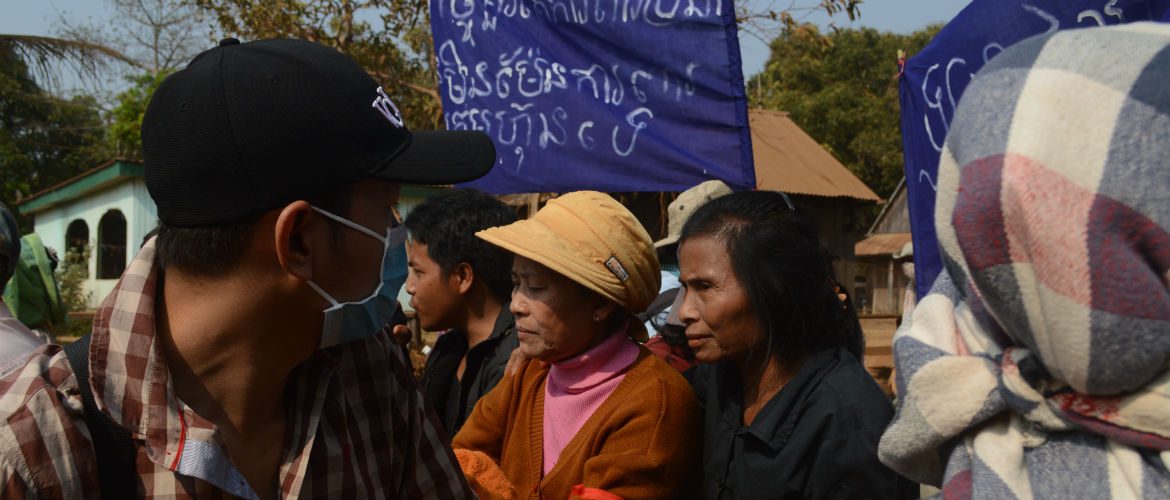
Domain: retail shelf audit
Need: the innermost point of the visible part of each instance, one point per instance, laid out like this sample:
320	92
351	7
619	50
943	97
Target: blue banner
609	95
935	78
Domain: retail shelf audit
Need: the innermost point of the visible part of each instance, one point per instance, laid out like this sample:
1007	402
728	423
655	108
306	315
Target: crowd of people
250	350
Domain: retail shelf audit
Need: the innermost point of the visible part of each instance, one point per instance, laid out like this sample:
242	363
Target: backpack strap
112	444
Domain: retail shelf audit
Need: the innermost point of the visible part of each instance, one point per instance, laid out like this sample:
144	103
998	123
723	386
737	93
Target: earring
596	317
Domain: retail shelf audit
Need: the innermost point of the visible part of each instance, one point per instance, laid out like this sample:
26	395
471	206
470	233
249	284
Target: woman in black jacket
789	410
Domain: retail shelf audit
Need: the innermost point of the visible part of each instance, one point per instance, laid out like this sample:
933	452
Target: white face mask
349	321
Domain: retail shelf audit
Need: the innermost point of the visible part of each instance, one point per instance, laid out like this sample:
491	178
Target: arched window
111	250
76	239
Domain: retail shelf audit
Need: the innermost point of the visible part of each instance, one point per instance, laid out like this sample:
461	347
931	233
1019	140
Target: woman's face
554	315
719	318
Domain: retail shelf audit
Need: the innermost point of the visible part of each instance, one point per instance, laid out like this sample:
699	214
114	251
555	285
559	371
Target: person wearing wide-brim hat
667	340
591	412
680	210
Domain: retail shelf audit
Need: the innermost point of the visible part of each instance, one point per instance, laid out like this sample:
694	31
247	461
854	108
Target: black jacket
451	399
815	439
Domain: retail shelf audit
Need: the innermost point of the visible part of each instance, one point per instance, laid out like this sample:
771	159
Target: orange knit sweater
642	443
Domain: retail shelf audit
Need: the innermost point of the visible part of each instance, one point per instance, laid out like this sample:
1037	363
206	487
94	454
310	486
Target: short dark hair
446	223
777	257
668	255
213	251
3	279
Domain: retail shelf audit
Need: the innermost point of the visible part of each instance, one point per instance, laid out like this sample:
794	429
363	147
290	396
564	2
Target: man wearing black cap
243	350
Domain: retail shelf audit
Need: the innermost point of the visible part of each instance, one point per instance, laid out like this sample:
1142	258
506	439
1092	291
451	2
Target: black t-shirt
453	399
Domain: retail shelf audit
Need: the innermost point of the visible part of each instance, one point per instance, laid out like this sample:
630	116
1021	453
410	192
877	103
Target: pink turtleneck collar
578	386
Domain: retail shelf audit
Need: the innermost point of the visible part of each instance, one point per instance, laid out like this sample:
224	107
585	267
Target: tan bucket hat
682	207
591	239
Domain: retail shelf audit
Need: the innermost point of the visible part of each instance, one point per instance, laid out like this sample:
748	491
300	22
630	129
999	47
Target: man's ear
295	241
462	276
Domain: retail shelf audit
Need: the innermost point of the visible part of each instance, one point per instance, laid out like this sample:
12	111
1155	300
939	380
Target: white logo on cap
384	105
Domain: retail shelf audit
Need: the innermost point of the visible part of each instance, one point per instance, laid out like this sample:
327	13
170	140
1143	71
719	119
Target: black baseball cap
248	127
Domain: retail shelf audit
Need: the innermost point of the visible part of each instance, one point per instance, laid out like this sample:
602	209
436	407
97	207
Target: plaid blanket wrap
1037	366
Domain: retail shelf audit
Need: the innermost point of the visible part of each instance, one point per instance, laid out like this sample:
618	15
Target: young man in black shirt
461	284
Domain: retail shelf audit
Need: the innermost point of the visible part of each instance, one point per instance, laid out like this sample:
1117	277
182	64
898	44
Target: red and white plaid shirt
358	426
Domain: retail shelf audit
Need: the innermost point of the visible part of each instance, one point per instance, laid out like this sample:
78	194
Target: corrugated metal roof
882	244
788	160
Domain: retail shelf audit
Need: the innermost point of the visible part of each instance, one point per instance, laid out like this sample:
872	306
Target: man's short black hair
668	256
3	279
447	223
213	251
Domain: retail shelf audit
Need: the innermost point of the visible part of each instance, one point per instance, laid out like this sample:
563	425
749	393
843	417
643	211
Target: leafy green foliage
125	130
391	39
44	139
45	56
764	22
71	276
842	89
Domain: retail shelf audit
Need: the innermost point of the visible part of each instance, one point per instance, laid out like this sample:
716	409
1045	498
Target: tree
390	38
125	129
764	23
40	55
44	139
842	89
154	36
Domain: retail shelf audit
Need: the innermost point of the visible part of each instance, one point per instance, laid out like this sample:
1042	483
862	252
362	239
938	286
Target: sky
898	16
38	17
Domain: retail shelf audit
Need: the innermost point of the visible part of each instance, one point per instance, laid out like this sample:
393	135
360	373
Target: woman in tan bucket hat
592	414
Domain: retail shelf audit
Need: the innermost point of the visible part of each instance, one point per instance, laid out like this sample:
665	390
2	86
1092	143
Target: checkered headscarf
1039	364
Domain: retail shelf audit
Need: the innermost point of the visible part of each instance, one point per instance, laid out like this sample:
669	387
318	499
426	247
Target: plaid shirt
358	426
